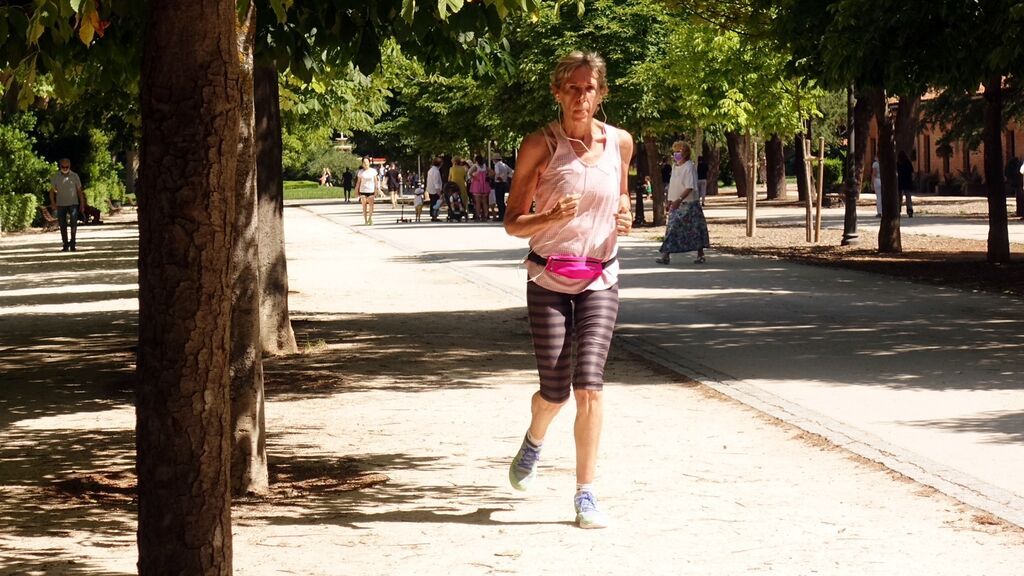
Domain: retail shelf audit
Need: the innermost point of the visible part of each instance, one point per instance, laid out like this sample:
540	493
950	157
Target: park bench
113	207
49	221
832	199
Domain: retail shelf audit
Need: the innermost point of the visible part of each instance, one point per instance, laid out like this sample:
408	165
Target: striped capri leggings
560	322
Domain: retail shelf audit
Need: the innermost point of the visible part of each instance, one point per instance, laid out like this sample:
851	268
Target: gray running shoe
523	469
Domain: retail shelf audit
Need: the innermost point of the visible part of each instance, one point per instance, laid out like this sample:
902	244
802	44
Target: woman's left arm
624	219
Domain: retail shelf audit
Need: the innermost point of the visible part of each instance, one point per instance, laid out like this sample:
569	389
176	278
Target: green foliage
305	190
308	149
833	172
101	179
17	211
21	170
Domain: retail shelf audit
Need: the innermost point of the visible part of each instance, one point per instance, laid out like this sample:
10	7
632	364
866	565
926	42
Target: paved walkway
925	379
421	369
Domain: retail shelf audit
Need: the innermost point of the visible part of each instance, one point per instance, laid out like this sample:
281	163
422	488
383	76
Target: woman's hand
623	223
565	209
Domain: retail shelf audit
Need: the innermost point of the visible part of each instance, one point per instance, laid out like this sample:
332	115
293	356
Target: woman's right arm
531	161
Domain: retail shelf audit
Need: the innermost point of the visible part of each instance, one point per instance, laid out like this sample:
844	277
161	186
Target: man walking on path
502	176
346	183
67	199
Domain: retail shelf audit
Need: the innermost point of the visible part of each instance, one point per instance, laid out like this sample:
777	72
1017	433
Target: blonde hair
680	146
576	60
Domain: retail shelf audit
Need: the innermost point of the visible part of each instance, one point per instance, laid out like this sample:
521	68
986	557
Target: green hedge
17	211
102	180
833	173
22	171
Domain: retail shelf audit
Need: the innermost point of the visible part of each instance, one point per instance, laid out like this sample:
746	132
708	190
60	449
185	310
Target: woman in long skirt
687	230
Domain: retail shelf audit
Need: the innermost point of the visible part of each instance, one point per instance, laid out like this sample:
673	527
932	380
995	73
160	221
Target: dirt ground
391	432
934	259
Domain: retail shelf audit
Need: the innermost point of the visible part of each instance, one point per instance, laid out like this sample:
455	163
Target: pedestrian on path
394	182
905	179
687	229
346	183
457	174
480	188
368	185
66	199
575	170
876	185
434	185
502	178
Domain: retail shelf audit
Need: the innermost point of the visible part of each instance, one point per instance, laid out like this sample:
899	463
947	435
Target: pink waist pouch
570	266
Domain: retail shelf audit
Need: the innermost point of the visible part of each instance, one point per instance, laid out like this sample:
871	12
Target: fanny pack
570	266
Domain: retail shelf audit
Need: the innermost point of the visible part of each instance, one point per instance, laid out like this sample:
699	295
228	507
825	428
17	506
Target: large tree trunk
657	186
889	239
907	124
862	115
800	167
189	146
275	325
775	162
998	233
738	160
249	442
713	156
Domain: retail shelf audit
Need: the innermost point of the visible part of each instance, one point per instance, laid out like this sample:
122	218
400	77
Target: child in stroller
456	211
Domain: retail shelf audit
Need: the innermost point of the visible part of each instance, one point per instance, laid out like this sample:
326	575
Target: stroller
456	211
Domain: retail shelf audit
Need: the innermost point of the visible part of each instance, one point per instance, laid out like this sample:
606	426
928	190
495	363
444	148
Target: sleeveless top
479	183
592	232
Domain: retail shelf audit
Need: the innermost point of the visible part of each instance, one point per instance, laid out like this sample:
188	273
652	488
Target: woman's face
579	95
366	163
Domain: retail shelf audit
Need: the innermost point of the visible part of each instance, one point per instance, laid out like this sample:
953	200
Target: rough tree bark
277	336
998	231
189	104
862	115
713	156
800	167
775	161
658	187
738	158
249	446
889	239
907	123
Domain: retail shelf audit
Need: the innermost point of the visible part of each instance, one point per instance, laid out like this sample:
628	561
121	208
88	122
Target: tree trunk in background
249	445
275	325
889	239
657	186
131	170
775	161
800	167
907	124
640	157
186	209
713	156
862	115
738	159
998	232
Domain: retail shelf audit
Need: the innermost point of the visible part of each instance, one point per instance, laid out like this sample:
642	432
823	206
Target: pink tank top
592	232
479	184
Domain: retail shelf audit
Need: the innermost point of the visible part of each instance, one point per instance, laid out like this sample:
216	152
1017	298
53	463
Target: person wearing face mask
687	229
574	169
66	200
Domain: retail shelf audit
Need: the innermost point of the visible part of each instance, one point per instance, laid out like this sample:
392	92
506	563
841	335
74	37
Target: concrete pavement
926	380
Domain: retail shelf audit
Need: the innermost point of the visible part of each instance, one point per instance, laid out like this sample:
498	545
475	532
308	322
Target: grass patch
308	190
